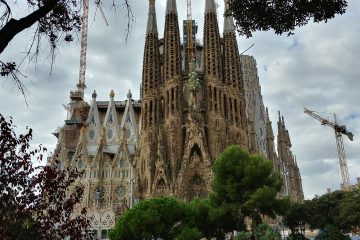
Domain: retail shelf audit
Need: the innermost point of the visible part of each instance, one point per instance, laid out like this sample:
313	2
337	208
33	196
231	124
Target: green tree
336	211
281	16
331	232
297	215
163	217
216	220
349	217
247	184
326	209
189	233
296	236
262	232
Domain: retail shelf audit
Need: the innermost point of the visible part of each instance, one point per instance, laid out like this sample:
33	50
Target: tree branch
5	17
14	26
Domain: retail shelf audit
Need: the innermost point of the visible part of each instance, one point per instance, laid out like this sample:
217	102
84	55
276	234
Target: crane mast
339	131
84	35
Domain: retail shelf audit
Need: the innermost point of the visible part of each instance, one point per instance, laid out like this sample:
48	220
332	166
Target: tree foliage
164	217
34	200
349	216
331	232
248	184
297	215
243	185
262	232
337	211
282	16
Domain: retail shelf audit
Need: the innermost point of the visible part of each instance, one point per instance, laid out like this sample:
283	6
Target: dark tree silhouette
281	16
35	201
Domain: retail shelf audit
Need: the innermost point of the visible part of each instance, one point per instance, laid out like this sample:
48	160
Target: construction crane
339	131
79	94
83	49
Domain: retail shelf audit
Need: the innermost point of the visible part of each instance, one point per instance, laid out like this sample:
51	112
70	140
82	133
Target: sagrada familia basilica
165	143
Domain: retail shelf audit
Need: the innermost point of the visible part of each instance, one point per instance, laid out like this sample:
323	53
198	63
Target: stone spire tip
171	7
151	24
229	25
210	6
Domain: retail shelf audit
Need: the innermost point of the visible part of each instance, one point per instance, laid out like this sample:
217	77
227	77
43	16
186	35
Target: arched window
121	163
81	164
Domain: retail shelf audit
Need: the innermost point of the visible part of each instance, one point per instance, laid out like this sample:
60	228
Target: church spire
151	67
231	54
171	7
151	24
151	75
172	52
210	6
228	20
212	45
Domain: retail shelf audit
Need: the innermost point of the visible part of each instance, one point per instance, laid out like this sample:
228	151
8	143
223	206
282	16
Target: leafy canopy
243	185
163	217
281	16
248	183
338	211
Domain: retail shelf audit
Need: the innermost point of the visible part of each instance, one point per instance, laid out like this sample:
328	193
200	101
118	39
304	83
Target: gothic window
104	234
195	149
92	134
81	164
196	181
196	188
127	133
121	163
151	113
161	185
99	194
70	155
110	119
110	134
59	165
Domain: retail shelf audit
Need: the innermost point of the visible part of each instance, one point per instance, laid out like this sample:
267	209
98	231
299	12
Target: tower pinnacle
228	20
151	24
171	7
210	6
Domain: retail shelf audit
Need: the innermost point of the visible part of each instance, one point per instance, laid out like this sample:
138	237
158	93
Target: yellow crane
339	131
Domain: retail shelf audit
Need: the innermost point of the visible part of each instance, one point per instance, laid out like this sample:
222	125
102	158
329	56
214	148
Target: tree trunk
13	27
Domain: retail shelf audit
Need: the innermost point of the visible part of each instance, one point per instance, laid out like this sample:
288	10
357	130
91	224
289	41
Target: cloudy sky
318	68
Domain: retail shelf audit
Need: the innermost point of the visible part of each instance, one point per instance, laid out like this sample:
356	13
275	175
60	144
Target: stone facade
166	143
